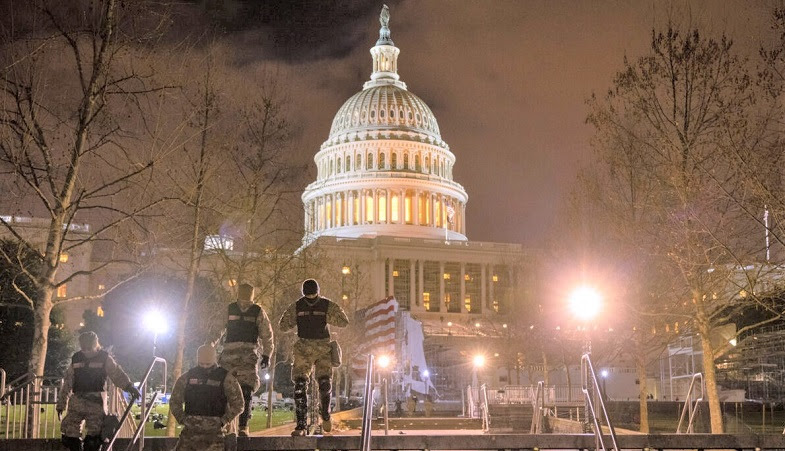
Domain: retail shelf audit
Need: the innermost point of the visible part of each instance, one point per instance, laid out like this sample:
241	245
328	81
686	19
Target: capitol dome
385	107
384	169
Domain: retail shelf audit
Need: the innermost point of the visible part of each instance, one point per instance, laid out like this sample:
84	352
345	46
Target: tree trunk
640	368
710	379
545	376
196	247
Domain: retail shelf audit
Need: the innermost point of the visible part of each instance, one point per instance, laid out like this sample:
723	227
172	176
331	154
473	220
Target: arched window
427	164
338	166
417	166
369	162
405	161
332	166
357	163
394	161
348	163
381	160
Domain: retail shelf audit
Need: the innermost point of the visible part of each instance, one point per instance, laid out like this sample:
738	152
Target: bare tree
668	120
77	142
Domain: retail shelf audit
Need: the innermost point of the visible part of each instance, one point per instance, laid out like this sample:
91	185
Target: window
62	291
101	287
382	204
357	163
417	166
402	284
452	287
369	208
427	164
407	208
356	208
394	161
405	161
232	282
394	207
431	276
348	164
473	287
381	160
338	166
99	312
369	162
63	258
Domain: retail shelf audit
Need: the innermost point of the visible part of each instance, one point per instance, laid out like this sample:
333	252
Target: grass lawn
50	426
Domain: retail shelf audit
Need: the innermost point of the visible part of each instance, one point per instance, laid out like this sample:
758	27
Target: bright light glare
426	373
585	303
732	342
479	360
267	377
384	361
604	373
155	322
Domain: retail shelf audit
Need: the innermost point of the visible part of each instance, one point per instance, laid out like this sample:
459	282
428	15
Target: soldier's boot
243	420
72	443
325	390
300	407
93	443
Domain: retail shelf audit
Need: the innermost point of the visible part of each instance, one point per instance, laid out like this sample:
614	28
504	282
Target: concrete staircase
516	418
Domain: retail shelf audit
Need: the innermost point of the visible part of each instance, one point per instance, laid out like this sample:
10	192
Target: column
420	280
349	208
390	278
375	206
388	205
433	209
362	206
463	218
441	286
483	281
490	286
463	287
401	207
412	285
416	207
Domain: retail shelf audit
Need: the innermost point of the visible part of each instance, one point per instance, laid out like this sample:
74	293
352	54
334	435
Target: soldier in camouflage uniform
247	338
83	393
311	314
205	400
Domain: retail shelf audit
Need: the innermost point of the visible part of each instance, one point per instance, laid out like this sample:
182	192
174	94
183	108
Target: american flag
379	337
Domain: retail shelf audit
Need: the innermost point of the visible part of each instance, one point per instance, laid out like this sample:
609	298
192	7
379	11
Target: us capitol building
390	219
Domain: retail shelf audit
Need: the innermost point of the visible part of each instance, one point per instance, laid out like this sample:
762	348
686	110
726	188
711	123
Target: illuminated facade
387	219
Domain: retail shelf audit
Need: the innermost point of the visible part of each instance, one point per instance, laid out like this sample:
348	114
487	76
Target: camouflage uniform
312	350
204	433
243	347
242	358
87	407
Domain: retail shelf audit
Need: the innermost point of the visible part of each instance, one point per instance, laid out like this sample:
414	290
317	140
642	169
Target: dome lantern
385	56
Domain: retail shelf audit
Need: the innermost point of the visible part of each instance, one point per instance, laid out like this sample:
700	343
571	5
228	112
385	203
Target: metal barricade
539	402
486	423
690	405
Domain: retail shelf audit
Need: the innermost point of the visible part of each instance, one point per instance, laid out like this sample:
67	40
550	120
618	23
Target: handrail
2	383
539	401
18	384
365	434
689	405
486	423
145	415
587	371
470	401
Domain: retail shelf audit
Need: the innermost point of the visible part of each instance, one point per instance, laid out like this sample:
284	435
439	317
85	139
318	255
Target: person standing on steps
205	400
83	393
312	314
247	338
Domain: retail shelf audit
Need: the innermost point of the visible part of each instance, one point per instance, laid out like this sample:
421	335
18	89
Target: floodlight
585	303
479	360
155	322
384	361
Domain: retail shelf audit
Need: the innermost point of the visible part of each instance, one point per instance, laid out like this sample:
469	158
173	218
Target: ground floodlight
426	373
479	360
384	361
585	303
155	322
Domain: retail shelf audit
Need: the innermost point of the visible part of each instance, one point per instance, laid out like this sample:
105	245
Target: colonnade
385	206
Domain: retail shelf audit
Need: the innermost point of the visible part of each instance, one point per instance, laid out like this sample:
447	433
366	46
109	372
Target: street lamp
384	362
585	303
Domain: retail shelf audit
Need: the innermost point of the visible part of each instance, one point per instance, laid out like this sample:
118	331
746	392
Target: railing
588	375
539	401
138	435
29	411
524	394
689	405
486	422
472	408
365	433
2	383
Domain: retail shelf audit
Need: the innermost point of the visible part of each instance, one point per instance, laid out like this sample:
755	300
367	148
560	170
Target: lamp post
155	322
585	303
478	361
384	362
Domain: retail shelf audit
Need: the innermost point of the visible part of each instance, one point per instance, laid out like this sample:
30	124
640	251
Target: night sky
507	80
